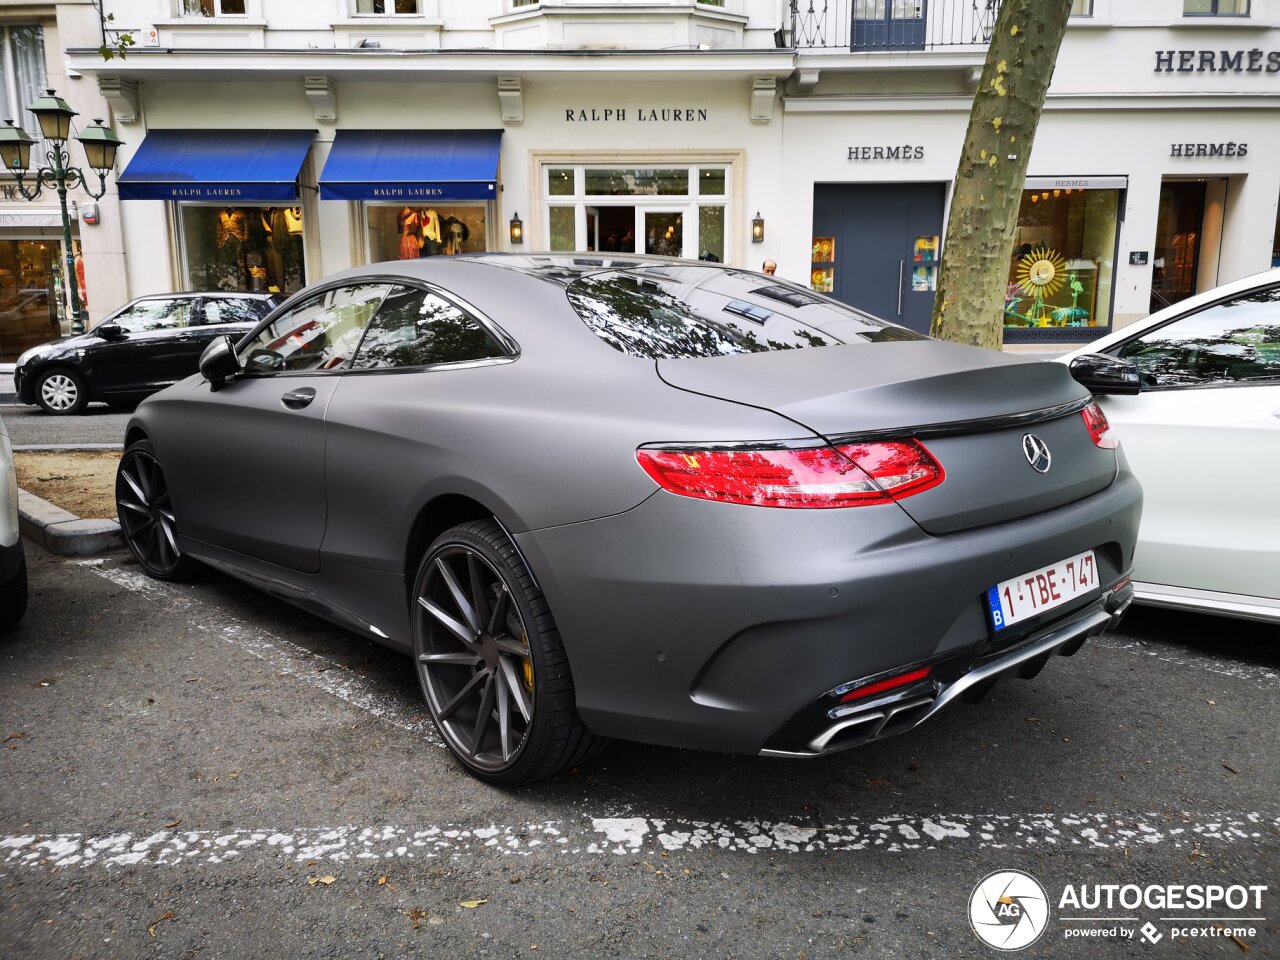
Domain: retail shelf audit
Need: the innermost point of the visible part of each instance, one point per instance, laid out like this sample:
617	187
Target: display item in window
410	225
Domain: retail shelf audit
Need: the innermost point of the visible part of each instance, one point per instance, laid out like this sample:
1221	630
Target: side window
415	328
321	333
1235	341
155	314
232	310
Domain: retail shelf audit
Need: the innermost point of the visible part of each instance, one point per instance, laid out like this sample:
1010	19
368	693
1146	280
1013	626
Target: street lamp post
100	145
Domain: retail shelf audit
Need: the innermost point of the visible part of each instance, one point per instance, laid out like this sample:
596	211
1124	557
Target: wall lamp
757	228
517	229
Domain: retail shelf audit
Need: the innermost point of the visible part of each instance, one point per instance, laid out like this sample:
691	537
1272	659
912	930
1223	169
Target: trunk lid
968	406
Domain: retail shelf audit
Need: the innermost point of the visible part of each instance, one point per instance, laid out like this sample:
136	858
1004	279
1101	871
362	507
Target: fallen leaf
416	916
382	880
472	904
1212	703
20	735
168	915
234	775
312	881
172	824
326	880
193	680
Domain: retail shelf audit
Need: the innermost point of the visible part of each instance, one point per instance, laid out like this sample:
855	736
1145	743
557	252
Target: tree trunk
969	305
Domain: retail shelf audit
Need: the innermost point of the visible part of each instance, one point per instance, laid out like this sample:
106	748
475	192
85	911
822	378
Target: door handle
297	399
901	267
185	336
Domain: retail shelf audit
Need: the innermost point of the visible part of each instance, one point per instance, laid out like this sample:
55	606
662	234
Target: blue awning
225	165
412	166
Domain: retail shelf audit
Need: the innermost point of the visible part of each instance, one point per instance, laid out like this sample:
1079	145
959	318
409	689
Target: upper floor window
212	8
367	7
1215	8
1082	8
23	76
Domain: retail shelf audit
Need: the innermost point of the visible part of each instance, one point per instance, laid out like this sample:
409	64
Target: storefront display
403	232
1061	269
30	291
254	248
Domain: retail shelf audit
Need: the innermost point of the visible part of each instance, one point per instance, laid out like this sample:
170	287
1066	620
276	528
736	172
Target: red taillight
853	475
1095	422
880	686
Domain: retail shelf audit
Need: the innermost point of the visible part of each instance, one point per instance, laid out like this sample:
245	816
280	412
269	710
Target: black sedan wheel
490	660
61	391
146	514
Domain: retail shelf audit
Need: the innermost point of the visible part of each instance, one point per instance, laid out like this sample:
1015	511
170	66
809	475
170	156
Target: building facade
272	142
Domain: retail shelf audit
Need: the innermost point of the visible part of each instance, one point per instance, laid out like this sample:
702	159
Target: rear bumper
829	726
715	626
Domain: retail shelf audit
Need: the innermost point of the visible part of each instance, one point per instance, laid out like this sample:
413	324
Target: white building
270	142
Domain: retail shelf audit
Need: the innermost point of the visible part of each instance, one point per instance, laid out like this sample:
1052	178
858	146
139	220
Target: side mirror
1105	374
219	361
109	331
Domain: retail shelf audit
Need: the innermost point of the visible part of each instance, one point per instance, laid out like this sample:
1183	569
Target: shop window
1215	8
30	288
416	328
399	232
212	8
22	77
377	7
244	248
679	211
1060	273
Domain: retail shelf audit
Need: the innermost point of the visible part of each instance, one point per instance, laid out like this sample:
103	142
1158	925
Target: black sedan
641	498
143	347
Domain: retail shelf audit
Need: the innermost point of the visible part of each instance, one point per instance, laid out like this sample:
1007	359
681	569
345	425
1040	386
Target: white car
13	562
1193	393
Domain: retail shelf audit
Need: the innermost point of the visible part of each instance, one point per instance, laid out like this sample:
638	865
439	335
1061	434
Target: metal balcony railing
892	25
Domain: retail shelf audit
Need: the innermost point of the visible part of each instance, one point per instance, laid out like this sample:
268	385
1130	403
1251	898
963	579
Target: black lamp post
100	146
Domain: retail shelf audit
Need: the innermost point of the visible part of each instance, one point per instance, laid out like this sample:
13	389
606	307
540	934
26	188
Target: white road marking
283	656
1223	667
602	836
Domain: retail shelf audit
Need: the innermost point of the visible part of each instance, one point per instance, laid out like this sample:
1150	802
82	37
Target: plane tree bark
969	304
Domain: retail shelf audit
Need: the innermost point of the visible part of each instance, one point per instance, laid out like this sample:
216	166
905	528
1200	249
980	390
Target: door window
158	314
416	328
228	310
321	333
1235	341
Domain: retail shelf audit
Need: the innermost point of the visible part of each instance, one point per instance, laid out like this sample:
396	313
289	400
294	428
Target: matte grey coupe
627	497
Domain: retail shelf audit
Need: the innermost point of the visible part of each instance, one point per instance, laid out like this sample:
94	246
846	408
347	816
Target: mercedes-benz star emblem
1037	453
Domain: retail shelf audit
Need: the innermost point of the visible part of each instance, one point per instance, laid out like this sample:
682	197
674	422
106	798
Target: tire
61	392
13	597
490	661
147	522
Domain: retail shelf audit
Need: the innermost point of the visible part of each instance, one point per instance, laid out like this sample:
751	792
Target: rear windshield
675	312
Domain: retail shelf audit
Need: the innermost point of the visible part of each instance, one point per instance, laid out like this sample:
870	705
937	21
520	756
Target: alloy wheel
146	513
474	658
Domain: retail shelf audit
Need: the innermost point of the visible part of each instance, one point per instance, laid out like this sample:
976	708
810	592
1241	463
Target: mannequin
275	220
410	226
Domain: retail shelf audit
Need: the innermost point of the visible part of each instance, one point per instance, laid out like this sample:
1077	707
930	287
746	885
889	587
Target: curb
62	532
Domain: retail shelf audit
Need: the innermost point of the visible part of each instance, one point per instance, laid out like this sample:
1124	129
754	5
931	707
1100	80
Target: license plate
1031	594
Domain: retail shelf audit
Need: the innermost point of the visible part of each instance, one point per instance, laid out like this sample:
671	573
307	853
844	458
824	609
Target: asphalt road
30	425
185	767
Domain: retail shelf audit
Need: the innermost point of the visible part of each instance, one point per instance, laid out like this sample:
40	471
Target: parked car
1199	414
13	561
614	497
143	347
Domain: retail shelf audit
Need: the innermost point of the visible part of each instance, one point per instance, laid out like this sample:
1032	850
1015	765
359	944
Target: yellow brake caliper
526	667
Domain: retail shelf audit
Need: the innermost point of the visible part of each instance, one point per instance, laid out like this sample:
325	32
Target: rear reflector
1099	428
852	475
880	686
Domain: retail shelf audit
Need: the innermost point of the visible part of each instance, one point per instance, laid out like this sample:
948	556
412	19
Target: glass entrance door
1179	228
889	24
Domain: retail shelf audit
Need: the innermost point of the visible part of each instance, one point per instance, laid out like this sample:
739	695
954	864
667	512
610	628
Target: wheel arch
435	517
